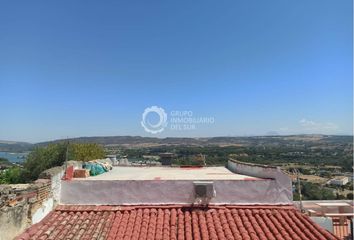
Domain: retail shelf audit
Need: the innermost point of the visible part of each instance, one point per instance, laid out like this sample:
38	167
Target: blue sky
90	68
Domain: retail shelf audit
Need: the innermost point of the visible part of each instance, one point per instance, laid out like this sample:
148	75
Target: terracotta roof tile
177	223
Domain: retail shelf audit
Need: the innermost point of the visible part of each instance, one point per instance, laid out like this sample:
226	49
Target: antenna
66	156
297	173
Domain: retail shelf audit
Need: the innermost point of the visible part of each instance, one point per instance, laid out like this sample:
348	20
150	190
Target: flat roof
169	173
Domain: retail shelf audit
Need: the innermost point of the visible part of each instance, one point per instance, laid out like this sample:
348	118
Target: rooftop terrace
238	183
170	173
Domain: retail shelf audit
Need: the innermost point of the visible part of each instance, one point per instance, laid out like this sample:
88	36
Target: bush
11	175
312	191
85	151
42	158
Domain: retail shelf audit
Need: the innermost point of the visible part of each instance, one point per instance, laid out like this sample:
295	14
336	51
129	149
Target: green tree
42	158
340	196
4	160
86	151
312	191
11	175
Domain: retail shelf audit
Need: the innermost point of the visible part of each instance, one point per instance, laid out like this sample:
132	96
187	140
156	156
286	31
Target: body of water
14	157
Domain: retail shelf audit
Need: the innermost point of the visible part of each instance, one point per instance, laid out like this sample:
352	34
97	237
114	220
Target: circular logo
161	123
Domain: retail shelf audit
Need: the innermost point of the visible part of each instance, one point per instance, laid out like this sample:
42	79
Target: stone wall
19	203
22	205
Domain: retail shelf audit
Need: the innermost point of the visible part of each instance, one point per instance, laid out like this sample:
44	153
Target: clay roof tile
176	223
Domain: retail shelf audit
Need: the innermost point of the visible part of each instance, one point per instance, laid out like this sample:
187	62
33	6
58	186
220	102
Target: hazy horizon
191	137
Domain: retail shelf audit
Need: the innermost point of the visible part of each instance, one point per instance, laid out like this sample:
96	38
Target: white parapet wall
283	181
157	192
43	210
270	187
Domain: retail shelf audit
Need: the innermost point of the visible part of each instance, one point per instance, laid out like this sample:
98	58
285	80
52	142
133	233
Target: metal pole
299	188
66	157
351	228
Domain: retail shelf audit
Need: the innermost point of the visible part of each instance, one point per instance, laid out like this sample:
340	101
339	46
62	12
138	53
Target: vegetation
311	191
321	159
263	154
4	162
86	151
313	155
11	175
42	158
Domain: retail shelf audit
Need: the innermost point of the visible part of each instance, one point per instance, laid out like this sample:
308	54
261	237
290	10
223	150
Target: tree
4	163
340	196
11	175
42	158
312	191
85	151
4	160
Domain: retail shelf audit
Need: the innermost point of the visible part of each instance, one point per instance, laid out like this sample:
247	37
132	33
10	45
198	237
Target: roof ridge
100	208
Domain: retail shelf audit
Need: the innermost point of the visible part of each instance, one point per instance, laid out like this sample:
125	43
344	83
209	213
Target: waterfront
14	157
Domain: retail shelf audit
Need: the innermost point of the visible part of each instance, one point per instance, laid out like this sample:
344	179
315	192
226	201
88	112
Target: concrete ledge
284	184
252	164
52	172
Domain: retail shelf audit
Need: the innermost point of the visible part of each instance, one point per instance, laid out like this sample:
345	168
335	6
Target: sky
91	68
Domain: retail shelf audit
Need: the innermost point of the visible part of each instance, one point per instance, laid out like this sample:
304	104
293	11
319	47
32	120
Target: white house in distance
339	181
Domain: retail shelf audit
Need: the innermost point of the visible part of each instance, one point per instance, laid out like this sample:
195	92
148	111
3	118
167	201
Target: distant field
310	178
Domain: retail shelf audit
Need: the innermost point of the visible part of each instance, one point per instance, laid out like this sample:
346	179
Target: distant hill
128	140
12	146
137	141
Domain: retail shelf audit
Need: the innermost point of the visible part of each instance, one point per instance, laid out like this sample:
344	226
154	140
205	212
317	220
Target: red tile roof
341	229
176	222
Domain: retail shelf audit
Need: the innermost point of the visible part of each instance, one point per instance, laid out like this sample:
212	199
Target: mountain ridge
153	141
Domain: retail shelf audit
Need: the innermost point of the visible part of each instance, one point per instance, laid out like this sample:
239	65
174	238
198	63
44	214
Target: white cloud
307	123
311	125
284	129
